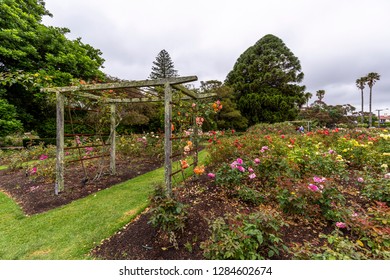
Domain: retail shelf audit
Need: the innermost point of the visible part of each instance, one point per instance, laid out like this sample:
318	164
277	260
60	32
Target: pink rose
341	225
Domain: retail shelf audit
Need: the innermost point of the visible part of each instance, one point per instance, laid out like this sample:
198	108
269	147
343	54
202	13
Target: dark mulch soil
139	240
36	194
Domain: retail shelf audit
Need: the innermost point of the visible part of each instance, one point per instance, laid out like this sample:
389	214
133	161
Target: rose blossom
314	188
318	179
341	225
240	168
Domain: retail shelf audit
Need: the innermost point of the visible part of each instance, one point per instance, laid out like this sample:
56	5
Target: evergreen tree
163	66
265	81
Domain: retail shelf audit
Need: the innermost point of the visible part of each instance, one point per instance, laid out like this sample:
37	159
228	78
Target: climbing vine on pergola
170	85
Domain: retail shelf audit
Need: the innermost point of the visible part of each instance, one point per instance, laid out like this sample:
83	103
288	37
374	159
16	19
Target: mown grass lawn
71	231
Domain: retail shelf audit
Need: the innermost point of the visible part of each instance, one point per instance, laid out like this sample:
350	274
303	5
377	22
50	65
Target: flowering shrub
149	144
167	214
254	237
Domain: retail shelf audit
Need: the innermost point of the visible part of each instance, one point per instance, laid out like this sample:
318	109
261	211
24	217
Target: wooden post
195	138
112	140
168	134
59	184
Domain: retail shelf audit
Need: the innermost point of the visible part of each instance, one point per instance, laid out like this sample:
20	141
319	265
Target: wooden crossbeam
130	84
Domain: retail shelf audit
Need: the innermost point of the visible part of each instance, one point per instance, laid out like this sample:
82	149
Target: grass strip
73	230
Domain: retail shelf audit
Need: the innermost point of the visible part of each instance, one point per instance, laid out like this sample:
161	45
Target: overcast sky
336	41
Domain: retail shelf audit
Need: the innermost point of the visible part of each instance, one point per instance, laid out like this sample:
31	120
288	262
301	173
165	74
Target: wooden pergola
85	91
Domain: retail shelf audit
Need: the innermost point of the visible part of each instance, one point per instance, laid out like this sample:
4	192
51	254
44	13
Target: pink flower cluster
237	164
33	171
264	148
341	225
199	121
317	180
43	157
88	150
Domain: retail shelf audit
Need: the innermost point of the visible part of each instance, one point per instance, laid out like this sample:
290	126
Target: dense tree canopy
265	81
8	122
229	117
33	55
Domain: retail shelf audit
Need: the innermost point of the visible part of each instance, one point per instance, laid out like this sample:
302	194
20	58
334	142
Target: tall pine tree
163	66
265	81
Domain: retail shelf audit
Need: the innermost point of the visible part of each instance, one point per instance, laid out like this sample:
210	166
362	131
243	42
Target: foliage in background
324	115
8	122
265	80
229	117
33	55
163	67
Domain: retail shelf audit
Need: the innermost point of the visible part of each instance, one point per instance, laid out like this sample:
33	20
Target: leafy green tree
229	117
328	115
163	66
265	81
360	84
33	55
371	78
8	122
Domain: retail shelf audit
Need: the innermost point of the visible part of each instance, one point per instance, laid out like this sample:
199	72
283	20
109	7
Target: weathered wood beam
138	99
59	184
130	84
134	100
185	90
112	140
167	140
200	96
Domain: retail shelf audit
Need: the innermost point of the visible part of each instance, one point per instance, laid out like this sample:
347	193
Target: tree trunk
370	103
362	108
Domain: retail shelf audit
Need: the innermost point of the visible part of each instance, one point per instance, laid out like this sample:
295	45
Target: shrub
253	236
168	214
377	189
337	247
249	195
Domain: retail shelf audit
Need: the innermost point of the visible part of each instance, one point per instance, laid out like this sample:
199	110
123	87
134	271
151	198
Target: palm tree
320	95
360	84
308	95
371	79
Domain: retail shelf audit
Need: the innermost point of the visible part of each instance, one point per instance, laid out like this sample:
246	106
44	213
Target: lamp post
379	115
